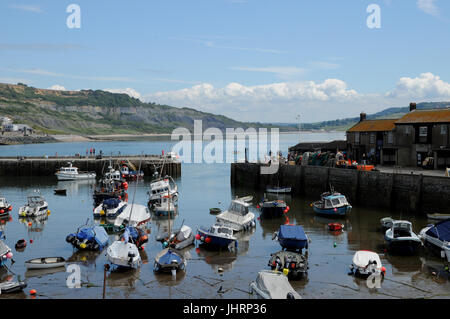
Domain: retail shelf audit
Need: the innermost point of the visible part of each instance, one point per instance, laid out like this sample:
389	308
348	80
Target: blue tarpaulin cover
111	202
168	257
292	232
97	233
440	230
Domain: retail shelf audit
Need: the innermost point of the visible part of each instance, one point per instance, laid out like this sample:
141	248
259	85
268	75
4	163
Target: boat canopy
36	200
362	258
275	284
167	257
111	203
292	232
220	229
440	230
184	233
96	233
335	201
139	215
239	207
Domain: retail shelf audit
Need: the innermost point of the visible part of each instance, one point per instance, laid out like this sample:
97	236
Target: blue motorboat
292	237
332	204
168	260
216	236
89	238
273	208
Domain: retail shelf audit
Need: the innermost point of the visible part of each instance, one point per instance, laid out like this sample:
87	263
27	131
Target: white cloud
35	9
428	6
57	87
131	92
427	85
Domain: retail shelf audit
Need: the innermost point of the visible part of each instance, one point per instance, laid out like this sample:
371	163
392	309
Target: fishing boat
168	260
438	216
292	263
36	206
437	238
130	174
5	207
216	236
165	208
111	186
161	187
71	173
292	237
178	239
5	253
401	238
9	287
273	285
133	215
278	190
273	208
366	263
89	238
237	217
110	208
332	204
386	223
45	262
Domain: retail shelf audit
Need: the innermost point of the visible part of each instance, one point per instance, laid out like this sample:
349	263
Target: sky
251	60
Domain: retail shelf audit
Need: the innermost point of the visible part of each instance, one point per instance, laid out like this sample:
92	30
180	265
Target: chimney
412	106
362	117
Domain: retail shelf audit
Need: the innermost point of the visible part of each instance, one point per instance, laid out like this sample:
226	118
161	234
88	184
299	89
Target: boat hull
215	241
332	212
45	263
293	244
402	245
272	211
74	177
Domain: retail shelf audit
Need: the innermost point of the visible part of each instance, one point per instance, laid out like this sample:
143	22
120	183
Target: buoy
197	236
2	211
285	271
334	245
102	212
220	269
9	255
83	245
383	270
31	241
207	240
30	223
33	291
10	208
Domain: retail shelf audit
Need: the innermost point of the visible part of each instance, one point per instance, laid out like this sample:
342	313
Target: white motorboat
238	217
133	215
386	223
437	238
273	285
70	173
5	207
36	206
112	174
123	254
9	287
366	263
45	263
162	187
400	237
279	190
110	208
438	216
165	208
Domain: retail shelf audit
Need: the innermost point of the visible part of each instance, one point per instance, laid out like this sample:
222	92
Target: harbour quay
47	166
399	192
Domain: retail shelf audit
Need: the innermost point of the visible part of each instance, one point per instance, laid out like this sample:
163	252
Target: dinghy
401	238
89	238
438	216
178	239
366	263
110	208
36	206
62	192
279	190
292	237
334	204
273	285
437	238
273	208
123	254
168	260
133	215
45	262
9	287
216	236
238	217
292	263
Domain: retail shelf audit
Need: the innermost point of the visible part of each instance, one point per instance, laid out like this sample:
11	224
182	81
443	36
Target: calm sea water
201	187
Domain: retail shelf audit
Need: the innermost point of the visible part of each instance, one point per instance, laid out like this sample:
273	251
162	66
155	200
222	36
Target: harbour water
201	187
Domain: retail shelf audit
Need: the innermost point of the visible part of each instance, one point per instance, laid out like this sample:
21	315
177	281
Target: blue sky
248	59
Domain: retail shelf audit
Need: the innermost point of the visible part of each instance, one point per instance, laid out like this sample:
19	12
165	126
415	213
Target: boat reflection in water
30	273
34	225
77	187
85	257
119	277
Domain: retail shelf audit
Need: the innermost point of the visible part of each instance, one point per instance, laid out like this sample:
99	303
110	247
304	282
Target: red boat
335	226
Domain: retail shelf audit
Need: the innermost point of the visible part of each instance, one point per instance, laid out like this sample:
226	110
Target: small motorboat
62	192
89	238
5	253
273	285
216	236
292	237
45	262
168	260
130	174
292	263
386	223
238	217
332	204
401	238
178	239
165	208
21	244
9	287
71	173
438	216
124	253
5	207
366	263
335	227
110	208
161	187
133	215
215	211
437	238
36	206
273	208
278	190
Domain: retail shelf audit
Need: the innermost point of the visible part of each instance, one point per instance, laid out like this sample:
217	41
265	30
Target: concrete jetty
398	192
47	166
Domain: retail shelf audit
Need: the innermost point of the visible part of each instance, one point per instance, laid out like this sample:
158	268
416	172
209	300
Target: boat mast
134	194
